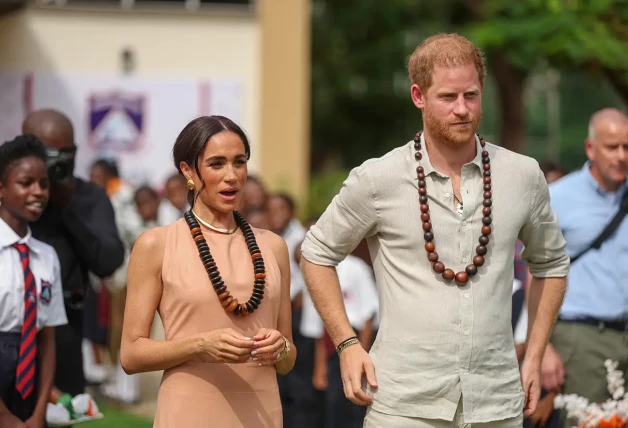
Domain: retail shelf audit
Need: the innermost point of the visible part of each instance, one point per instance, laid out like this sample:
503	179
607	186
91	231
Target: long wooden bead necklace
227	301
438	267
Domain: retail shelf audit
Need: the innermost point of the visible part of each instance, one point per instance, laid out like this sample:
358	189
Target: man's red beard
449	133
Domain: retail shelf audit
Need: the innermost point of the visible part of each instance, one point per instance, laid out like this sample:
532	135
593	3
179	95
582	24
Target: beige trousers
375	419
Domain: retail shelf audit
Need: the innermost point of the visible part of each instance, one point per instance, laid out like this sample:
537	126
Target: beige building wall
268	51
285	94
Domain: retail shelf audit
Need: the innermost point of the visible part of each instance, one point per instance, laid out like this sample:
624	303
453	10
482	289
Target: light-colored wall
268	52
176	45
285	95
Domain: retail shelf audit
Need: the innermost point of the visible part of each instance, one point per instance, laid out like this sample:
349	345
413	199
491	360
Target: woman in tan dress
222	291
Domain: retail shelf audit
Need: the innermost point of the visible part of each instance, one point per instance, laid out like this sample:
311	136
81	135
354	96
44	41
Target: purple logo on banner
116	121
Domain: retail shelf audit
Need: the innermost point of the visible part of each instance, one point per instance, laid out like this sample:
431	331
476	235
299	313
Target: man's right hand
354	363
552	370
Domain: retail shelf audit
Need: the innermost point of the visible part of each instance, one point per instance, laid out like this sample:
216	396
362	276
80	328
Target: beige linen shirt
436	340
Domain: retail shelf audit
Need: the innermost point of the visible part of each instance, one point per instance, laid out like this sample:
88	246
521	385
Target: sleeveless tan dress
212	395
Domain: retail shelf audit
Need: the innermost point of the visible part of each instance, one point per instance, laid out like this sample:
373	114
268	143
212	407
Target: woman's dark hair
21	147
193	139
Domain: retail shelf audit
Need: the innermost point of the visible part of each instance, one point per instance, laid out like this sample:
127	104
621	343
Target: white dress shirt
357	284
44	265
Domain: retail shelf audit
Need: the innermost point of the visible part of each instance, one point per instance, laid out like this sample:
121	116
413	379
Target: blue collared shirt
597	285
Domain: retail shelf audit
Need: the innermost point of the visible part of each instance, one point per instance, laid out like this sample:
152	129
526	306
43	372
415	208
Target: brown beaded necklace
227	301
437	266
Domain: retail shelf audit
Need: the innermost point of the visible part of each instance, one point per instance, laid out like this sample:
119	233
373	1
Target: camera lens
58	171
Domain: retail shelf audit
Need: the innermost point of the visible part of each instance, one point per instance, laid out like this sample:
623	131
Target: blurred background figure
591	205
147	203
255	194
258	217
552	171
79	223
359	292
175	202
110	292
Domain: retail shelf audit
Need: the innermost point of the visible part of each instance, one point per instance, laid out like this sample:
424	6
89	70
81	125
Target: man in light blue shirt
593	323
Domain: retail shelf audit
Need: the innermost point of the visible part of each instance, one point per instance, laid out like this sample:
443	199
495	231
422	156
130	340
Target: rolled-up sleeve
544	250
349	218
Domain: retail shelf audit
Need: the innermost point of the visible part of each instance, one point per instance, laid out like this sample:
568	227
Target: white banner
133	120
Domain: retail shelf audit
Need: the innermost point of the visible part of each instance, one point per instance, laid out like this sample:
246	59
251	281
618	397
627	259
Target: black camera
60	165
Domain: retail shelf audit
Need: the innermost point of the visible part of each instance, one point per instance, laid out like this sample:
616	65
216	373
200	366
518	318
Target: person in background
593	320
298	396
359	294
283	222
31	299
147	204
104	173
79	224
254	194
125	388
258	217
102	301
552	171
175	203
545	415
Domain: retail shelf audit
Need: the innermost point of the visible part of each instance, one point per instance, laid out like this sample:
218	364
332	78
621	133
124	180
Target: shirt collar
586	171
8	237
427	165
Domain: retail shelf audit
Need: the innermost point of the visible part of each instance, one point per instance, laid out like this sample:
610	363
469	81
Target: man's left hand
531	382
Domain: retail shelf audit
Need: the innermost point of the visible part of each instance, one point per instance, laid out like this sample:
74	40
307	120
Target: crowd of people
346	324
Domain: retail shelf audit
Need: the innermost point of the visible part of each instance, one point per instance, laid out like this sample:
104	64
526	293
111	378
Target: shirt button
464	223
447	195
466	295
466	332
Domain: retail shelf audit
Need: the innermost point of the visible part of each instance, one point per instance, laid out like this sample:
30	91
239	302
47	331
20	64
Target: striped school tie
25	381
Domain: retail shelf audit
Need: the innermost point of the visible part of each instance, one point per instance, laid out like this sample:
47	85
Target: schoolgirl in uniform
31	301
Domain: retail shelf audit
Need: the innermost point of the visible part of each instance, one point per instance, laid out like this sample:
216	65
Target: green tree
566	34
361	102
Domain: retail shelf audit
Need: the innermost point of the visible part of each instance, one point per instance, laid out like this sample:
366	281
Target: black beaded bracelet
345	341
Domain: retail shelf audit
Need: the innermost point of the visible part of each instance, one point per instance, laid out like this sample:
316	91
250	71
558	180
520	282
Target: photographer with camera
79	223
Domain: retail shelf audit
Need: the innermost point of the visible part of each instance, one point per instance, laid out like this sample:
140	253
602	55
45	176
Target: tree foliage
361	102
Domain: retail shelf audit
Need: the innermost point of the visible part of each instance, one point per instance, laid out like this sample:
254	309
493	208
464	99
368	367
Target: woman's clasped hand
230	347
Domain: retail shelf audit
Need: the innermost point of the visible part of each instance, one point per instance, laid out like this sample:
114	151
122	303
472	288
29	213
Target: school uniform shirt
168	213
294	235
359	293
44	264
